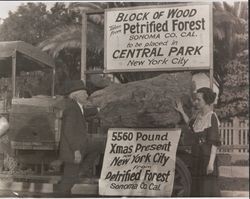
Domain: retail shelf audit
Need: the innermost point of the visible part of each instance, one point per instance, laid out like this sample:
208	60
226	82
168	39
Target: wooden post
225	135
211	47
211	71
53	82
236	132
84	48
14	74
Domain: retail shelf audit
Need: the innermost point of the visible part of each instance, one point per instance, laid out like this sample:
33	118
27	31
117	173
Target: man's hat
73	85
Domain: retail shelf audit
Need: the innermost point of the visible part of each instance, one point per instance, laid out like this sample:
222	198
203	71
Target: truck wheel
182	180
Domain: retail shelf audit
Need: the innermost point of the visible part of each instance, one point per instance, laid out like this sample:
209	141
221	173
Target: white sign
139	162
169	37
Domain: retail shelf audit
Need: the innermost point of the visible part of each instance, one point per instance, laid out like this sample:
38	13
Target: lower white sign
139	162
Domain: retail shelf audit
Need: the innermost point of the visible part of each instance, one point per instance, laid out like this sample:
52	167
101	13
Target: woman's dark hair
208	95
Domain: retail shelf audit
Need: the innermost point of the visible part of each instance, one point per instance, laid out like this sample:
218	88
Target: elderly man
73	141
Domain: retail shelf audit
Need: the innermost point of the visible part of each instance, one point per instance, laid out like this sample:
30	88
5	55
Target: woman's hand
178	106
210	168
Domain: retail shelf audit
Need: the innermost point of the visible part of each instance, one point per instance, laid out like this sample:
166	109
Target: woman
204	126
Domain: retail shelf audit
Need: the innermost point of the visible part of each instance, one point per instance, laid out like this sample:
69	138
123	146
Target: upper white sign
170	37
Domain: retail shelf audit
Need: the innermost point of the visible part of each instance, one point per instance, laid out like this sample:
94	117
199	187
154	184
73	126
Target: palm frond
219	33
224	17
218	6
69	36
227	7
97	19
236	9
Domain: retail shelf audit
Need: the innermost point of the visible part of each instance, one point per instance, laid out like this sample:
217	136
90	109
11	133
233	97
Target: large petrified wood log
146	103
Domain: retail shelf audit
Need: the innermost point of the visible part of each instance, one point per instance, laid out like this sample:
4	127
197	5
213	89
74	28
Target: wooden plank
53	82
21	189
227	193
94	12
27	187
179	69
234	147
84	48
34	145
45	178
32	127
85	187
100	71
234	171
14	74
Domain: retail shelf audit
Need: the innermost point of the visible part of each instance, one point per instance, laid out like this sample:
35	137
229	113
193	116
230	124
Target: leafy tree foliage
29	23
231	59
234	100
33	23
228	25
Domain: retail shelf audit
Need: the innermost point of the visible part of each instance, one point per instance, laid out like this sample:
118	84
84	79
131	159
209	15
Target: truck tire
182	180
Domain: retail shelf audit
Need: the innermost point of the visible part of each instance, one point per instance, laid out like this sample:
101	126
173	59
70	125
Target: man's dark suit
73	137
74	131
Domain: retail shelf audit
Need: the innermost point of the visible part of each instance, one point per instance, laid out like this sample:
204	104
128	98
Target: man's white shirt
80	106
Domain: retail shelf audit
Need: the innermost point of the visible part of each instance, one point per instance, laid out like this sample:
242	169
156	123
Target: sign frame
210	23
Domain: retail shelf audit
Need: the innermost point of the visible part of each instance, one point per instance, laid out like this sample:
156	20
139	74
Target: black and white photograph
124	99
